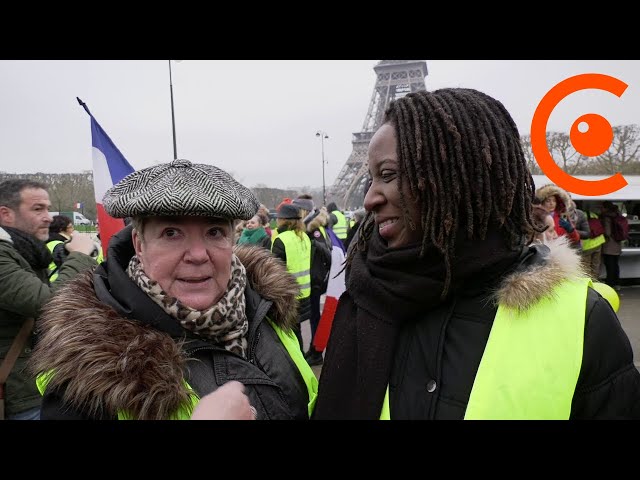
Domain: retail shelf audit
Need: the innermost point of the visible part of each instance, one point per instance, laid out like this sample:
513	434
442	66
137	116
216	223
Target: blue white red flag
335	288
109	167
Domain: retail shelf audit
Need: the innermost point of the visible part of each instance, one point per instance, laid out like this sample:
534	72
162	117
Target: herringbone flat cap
180	188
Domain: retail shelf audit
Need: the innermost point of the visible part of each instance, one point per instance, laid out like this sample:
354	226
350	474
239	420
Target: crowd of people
466	291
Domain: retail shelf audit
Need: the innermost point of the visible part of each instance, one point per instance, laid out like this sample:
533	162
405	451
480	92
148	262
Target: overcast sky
254	119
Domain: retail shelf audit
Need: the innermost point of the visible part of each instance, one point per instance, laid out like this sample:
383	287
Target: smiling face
253	223
190	257
383	196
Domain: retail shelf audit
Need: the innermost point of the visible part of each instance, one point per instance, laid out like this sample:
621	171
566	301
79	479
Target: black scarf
386	288
34	251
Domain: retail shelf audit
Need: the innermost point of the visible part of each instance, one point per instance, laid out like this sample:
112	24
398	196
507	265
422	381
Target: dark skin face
383	196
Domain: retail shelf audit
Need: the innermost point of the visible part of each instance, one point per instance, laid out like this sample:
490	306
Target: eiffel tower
394	79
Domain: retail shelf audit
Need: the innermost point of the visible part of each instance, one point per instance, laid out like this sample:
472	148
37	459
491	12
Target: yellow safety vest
530	365
340	228
288	339
52	266
591	243
298	259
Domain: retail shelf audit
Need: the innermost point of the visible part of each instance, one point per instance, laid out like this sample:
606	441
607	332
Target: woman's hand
226	403
566	224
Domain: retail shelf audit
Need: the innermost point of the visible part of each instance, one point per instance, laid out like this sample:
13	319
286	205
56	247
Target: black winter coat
437	356
113	349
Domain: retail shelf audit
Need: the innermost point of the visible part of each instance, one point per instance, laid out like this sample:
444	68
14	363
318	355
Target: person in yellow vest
592	246
339	223
175	311
293	247
315	222
451	312
60	232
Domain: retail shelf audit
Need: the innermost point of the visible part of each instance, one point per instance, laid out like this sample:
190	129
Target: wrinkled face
32	216
383	196
549	203
253	223
190	257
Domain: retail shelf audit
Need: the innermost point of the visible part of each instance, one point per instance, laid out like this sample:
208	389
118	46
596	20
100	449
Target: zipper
252	347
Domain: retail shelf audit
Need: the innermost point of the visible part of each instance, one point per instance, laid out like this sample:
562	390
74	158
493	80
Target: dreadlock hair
461	154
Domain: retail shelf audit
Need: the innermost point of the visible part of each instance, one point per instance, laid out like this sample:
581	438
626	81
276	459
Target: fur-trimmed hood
548	268
109	363
320	220
563	199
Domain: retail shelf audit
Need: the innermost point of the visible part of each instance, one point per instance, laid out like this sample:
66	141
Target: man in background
24	284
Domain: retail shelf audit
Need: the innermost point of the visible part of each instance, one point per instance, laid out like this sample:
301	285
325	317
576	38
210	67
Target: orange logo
595	141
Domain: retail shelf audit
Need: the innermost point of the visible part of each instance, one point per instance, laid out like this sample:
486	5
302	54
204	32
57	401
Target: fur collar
320	220
110	363
528	285
562	197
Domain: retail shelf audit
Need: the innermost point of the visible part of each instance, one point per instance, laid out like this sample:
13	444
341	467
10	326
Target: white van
77	217
628	201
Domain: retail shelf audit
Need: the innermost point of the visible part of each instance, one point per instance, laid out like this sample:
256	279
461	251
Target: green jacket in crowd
23	292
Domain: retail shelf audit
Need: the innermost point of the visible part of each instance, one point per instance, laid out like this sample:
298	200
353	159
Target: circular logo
593	142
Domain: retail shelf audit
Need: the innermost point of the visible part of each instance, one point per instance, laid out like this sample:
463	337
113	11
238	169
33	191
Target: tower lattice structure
394	79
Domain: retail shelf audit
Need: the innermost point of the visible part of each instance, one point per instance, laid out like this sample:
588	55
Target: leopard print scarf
224	323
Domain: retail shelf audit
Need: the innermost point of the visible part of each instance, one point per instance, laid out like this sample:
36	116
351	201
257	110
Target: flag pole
173	118
84	105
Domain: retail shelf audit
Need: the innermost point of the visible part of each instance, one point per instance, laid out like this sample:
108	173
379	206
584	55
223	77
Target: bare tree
622	156
532	164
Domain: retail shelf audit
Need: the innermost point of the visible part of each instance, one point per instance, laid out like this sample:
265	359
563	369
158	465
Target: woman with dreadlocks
451	311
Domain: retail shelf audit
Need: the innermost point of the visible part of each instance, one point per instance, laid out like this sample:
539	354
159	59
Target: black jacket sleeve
278	250
60	254
609	383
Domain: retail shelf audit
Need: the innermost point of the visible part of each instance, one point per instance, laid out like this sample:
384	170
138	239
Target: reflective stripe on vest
530	365
340	228
289	341
298	259
591	243
52	266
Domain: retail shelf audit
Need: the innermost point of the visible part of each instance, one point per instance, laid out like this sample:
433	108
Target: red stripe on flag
109	226
321	338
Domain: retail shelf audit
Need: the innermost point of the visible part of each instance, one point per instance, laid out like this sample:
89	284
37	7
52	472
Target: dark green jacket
23	292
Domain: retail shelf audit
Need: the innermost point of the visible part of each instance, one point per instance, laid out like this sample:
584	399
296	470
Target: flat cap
180	188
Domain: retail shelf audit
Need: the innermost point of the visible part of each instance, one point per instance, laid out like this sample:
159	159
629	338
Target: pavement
628	314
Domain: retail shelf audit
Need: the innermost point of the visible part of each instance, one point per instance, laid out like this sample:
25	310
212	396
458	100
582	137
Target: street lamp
173	118
322	136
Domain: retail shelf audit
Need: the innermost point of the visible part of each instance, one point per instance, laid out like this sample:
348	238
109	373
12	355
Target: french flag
109	167
335	288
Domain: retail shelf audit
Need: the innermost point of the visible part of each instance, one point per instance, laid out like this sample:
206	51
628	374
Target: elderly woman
176	311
